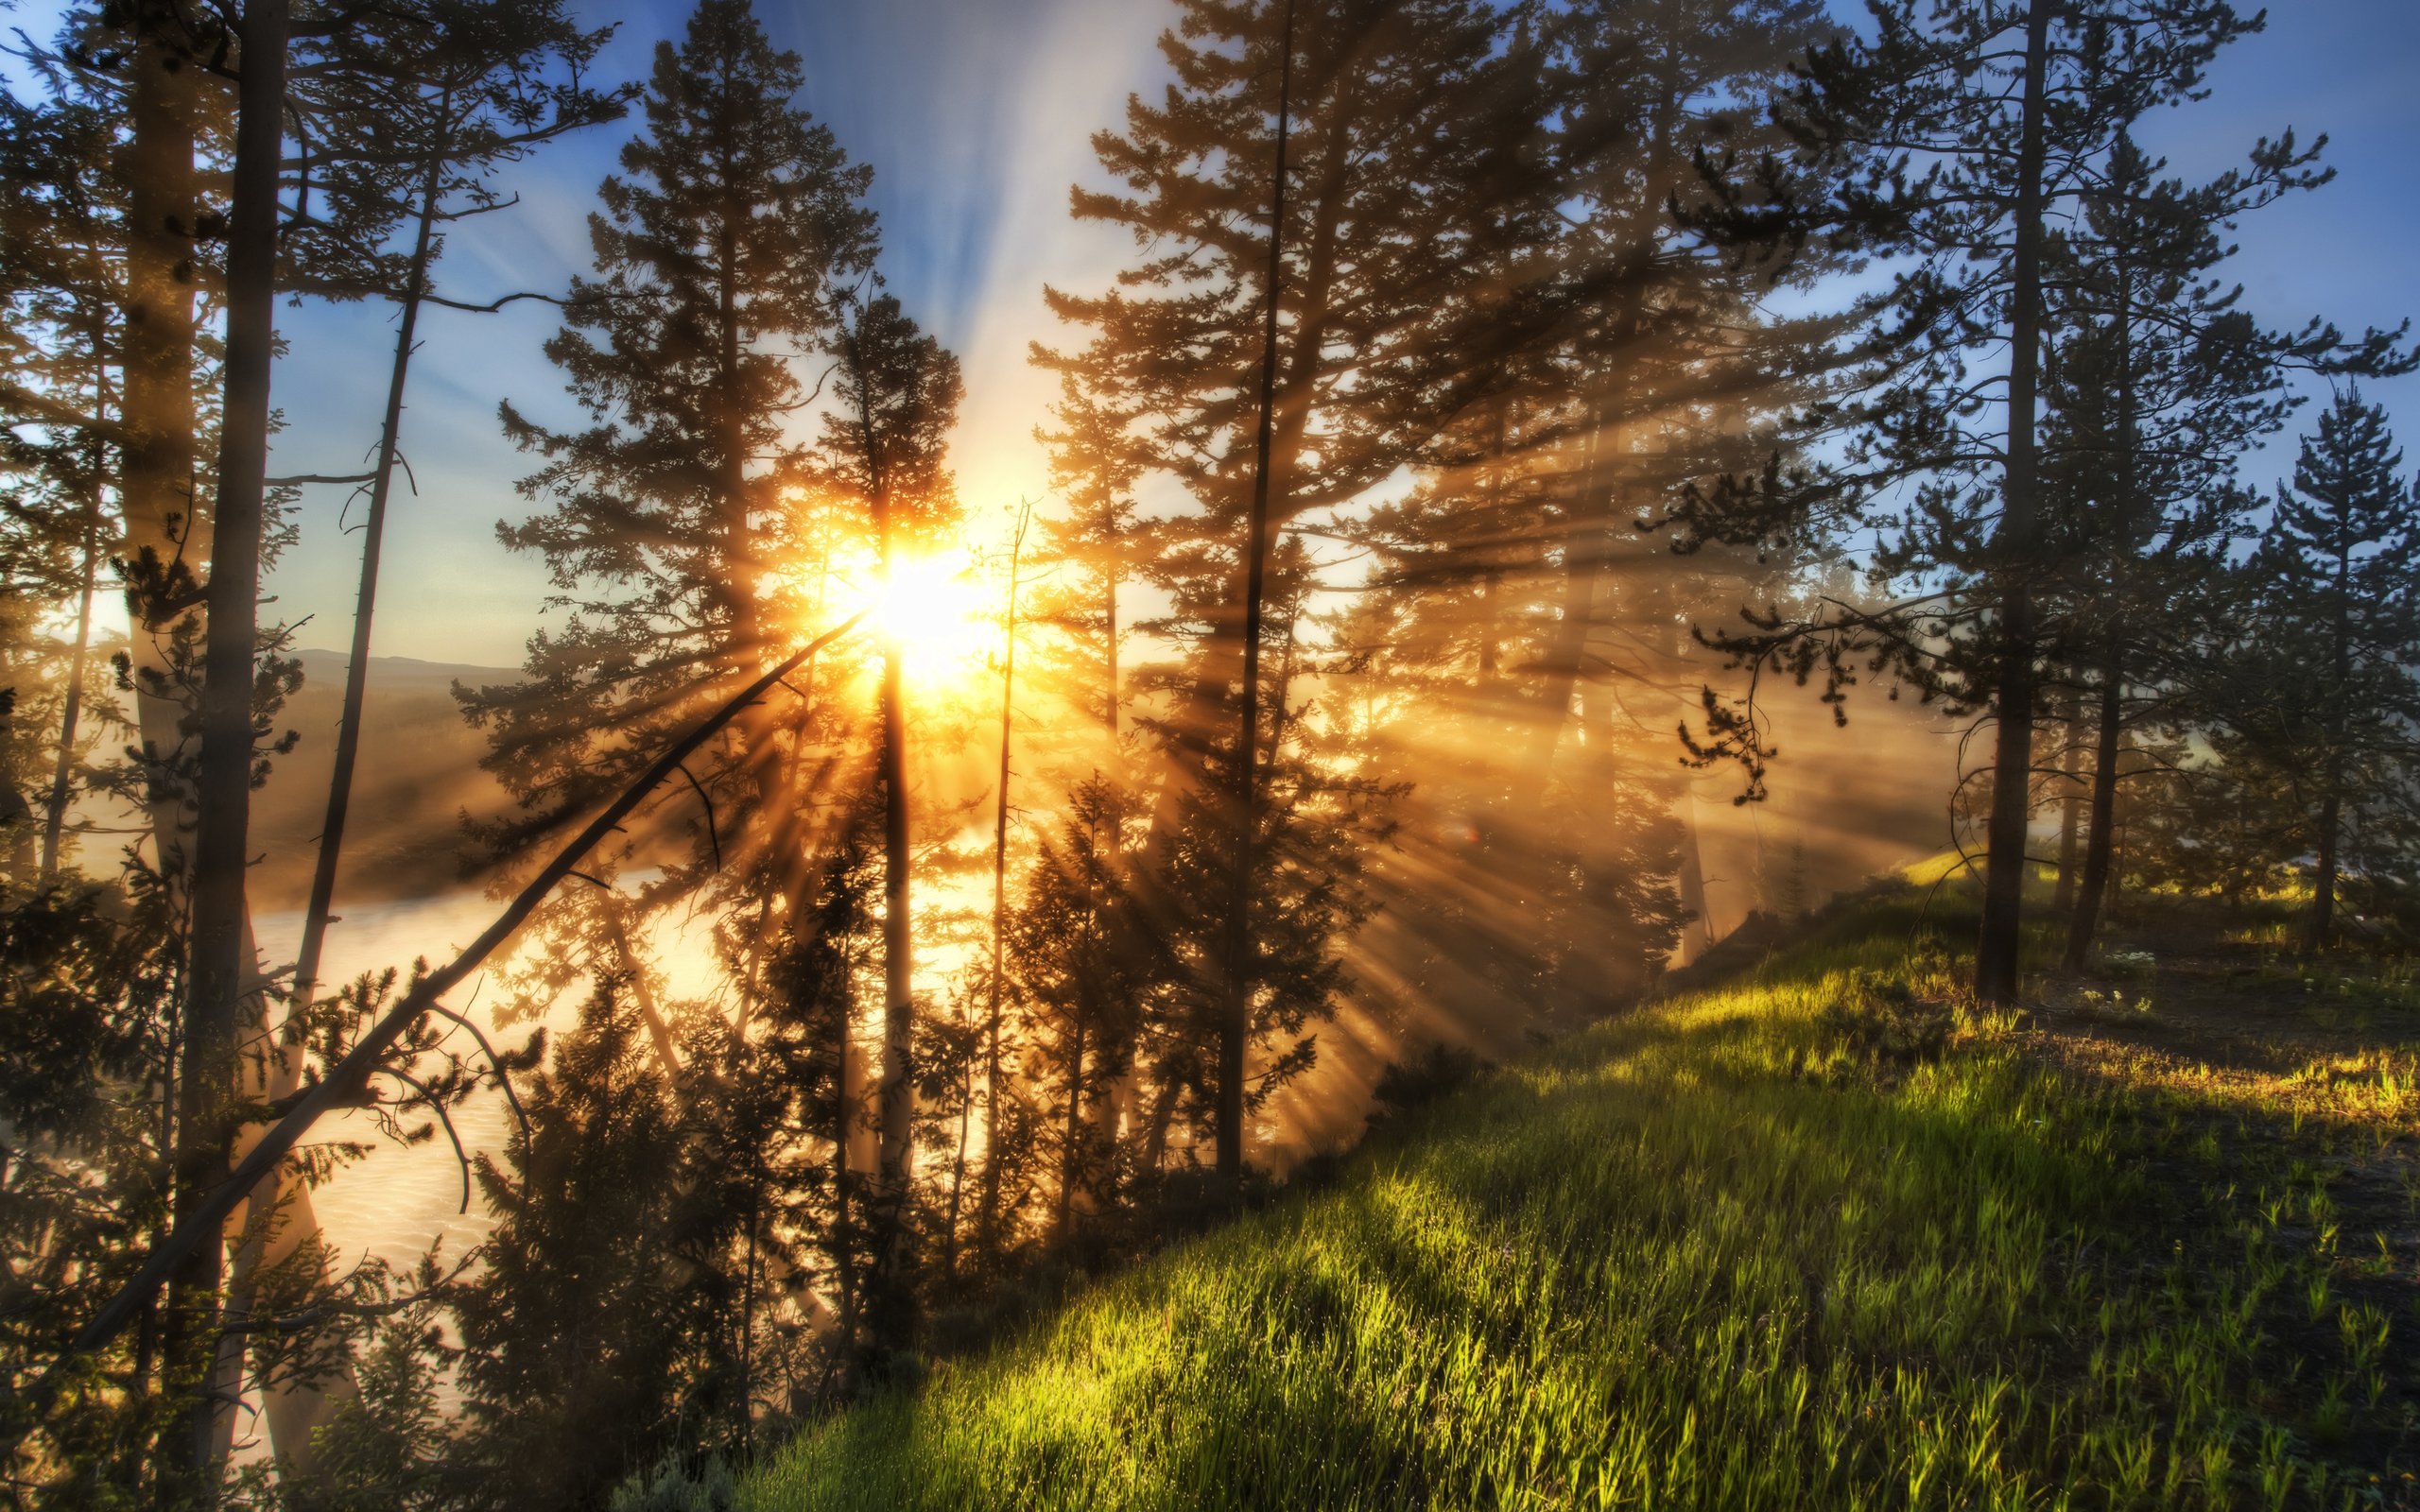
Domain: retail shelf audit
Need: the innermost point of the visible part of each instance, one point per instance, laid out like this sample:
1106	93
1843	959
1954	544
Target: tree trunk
294	1415
62	778
1996	949
2323	896
2071	798
958	1178
990	1215
2331	812
1584	555
316	917
2100	846
894	1099
1235	1023
262	1245
1073	1136
215	1006
161	515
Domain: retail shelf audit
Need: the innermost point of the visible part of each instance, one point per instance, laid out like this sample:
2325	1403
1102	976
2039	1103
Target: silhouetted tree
2318	699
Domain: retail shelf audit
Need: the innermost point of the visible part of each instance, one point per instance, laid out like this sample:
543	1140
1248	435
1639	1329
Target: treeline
1474	365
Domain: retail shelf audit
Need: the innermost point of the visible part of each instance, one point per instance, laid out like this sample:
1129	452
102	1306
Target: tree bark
1234	1022
1072	1138
62	778
215	1006
989	1215
2099	845
1997	946
895	1098
2323	897
2071	798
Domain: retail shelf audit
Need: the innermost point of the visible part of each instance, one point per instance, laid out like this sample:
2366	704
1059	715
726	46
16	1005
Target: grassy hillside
1810	1239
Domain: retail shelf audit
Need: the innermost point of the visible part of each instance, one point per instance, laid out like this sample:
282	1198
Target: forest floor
1815	1236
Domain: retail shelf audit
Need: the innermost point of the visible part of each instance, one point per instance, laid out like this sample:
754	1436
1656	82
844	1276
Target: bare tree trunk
895	1098
2100	841
957	1175
317	914
2071	798
296	1412
2332	812
215	1006
1235	1026
2323	898
62	778
1069	1151
1997	948
989	1217
1583	559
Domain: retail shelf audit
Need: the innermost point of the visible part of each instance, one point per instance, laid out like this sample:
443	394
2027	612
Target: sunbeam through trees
1603	752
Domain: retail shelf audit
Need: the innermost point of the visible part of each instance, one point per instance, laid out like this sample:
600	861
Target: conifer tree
1951	136
884	444
1517	573
716	252
2155	383
1086	976
2318	696
597	1335
1409	175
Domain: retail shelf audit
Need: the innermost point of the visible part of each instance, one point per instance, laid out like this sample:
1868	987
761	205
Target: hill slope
1805	1240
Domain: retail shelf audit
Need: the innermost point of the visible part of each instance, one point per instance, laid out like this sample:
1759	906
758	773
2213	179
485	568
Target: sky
976	115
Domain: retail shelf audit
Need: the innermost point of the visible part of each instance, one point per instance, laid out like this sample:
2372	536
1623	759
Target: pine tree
717	253
1087	978
2318	696
597	1334
1951	136
1518	576
2155	383
884	445
1369	314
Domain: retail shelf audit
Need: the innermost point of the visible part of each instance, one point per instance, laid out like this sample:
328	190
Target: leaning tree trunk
216	1006
1998	946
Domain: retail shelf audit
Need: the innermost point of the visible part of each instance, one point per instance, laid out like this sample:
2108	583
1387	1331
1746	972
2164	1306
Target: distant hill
419	770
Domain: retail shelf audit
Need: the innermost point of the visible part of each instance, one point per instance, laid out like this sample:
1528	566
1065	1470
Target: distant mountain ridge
419	770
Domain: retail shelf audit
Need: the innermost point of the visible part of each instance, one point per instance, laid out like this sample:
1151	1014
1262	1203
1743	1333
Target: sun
941	617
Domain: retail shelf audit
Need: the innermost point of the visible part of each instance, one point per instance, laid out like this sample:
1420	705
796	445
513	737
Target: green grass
1731	1252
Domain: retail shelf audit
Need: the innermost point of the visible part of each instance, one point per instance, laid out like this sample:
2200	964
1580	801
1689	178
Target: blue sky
974	114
